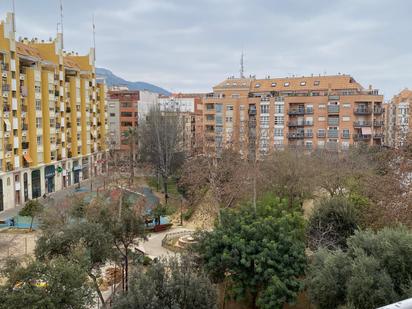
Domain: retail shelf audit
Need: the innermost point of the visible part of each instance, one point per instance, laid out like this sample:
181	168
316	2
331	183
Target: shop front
85	168
76	171
35	184
49	174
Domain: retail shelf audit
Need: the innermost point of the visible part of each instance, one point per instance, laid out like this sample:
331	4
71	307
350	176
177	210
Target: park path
153	248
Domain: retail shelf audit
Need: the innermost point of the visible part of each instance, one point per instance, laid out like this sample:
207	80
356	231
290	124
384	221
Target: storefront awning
366	131
27	158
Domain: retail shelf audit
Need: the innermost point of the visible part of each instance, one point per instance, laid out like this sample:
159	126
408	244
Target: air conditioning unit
22	77
25	152
6	134
4	74
8	155
5	94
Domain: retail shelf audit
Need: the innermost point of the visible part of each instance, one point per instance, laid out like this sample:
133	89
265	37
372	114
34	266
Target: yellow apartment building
258	115
53	114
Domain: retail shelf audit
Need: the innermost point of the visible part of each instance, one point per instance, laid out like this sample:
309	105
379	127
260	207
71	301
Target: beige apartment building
259	115
398	121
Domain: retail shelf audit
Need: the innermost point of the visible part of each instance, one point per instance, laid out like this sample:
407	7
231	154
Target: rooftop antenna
14	16
242	68
94	38
60	23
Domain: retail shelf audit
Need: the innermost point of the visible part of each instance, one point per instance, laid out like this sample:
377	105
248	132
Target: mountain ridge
114	80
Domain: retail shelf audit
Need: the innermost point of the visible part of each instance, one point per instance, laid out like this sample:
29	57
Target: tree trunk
126	271
254	299
31	224
96	286
165	188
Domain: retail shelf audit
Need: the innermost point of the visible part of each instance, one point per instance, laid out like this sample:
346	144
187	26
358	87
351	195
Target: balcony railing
363	111
361	124
5	87
361	137
298	135
333	109
377	123
308	134
296	111
296	123
345	135
333	121
377	110
333	133
321	134
378	136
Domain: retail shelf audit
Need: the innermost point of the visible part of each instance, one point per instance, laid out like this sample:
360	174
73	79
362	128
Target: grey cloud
190	45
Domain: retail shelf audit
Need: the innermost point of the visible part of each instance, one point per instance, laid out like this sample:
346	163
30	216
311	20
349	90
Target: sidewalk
56	197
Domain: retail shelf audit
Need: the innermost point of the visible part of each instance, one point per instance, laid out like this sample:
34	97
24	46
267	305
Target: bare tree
161	142
225	176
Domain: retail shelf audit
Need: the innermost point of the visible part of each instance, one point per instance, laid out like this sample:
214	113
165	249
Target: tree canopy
374	271
259	252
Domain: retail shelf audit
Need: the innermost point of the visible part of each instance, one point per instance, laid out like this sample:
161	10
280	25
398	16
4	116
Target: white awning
7	123
366	131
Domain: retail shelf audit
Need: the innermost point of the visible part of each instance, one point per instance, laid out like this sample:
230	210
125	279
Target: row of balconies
300	123
300	111
368	111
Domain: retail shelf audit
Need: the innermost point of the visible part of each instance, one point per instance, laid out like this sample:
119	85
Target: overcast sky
190	45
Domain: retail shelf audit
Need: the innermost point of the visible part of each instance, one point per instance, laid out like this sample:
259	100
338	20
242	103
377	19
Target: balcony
297	135
361	137
361	124
296	111
6	107
333	109
363	111
5	87
378	136
321	134
9	147
333	121
333	133
4	66
378	123
377	110
332	146
296	123
252	110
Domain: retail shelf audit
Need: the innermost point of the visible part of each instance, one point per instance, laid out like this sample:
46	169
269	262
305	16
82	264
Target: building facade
398	119
54	118
256	116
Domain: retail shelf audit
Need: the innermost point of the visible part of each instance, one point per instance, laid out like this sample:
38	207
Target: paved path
153	246
59	196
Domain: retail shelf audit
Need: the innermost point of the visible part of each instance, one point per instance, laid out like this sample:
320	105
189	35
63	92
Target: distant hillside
113	80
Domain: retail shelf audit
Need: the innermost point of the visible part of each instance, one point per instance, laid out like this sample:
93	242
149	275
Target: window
316	83
321	118
303	83
286	84
278	132
320	106
264	109
346	105
39	141
210	117
279	108
229	119
257	85
273	84
219	119
38	123
229	107
235	96
264	121
112	114
279	120
345	132
38	105
218	108
126	114
111	105
345	118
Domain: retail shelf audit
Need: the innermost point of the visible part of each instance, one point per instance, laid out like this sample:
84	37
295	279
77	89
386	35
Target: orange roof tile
27	50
